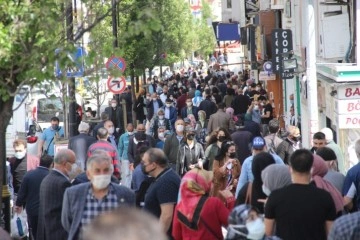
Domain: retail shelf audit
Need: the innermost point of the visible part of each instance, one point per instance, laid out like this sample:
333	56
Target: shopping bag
19	227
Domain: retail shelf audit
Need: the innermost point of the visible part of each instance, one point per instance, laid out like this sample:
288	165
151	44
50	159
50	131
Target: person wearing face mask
189	109
19	164
213	213
103	144
122	148
136	142
226	168
159	121
191	154
170	112
115	113
290	144
213	146
245	222
255	110
113	137
151	86
28	195
181	100
266	114
197	99
52	190
162	194
173	143
161	138
47	139
82	203
153	106
140	106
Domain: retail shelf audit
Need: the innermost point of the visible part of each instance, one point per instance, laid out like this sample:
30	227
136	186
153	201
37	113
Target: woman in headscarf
319	170
260	162
245	223
197	99
198	216
275	176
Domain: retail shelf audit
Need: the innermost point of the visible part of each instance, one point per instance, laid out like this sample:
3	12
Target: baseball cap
258	143
326	153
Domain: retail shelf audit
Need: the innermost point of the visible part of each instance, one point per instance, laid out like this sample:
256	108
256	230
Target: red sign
116	85
116	62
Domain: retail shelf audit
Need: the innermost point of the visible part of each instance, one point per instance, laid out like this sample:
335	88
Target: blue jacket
194	111
173	115
74	202
123	146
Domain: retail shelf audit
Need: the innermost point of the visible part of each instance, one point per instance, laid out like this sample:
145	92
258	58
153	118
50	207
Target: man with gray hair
272	140
80	144
52	190
83	202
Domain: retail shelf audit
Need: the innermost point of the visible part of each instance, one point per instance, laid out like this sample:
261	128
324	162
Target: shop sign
349	121
348	92
351	106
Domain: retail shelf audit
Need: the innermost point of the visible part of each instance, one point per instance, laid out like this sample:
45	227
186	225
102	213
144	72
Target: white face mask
180	128
154	99
111	130
113	105
189	104
256	229
168	105
131	133
20	155
161	117
101	181
266	190
161	135
256	107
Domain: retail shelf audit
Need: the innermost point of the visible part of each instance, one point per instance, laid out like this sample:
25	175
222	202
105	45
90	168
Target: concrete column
312	101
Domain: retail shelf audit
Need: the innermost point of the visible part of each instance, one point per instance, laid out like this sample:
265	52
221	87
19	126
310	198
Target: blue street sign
77	69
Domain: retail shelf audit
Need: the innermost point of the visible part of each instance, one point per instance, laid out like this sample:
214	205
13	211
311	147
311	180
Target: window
228	4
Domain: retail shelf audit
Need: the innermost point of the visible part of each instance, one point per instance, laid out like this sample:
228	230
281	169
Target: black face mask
190	136
141	136
221	138
143	169
232	155
296	139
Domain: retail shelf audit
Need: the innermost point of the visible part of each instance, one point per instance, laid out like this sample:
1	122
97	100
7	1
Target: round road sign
116	85
116	62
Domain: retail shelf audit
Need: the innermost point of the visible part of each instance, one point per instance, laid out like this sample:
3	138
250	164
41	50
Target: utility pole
312	101
71	84
115	34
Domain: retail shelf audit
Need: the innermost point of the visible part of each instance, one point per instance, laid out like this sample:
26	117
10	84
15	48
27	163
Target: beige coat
217	120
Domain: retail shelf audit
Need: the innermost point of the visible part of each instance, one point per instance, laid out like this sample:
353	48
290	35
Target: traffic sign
116	85
77	68
116	62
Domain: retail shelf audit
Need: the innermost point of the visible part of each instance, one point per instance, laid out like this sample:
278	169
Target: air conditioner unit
334	36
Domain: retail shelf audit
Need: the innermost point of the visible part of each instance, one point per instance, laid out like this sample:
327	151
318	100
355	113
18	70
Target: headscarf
194	185
230	111
247	117
318	172
238	219
260	162
197	99
276	176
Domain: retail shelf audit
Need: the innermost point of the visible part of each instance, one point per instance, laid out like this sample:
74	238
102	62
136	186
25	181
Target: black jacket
208	106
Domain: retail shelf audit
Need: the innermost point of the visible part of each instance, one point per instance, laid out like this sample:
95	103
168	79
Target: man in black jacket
207	105
29	193
115	113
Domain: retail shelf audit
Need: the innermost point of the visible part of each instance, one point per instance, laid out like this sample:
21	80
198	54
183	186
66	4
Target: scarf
318	172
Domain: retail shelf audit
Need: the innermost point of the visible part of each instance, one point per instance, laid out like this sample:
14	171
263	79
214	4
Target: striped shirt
111	150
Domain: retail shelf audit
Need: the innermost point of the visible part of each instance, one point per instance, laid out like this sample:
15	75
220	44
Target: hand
226	193
131	167
262	201
200	164
18	209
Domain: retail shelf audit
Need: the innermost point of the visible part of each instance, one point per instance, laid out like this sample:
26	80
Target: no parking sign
116	85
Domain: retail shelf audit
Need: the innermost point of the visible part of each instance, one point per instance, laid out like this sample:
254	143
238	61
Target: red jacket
214	214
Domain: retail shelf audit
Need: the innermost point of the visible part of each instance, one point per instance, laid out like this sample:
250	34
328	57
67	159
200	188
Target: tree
30	32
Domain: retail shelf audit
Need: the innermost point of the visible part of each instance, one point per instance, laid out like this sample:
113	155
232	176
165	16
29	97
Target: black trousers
33	223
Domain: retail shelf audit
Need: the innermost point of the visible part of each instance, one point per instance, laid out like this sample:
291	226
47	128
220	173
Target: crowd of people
206	159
